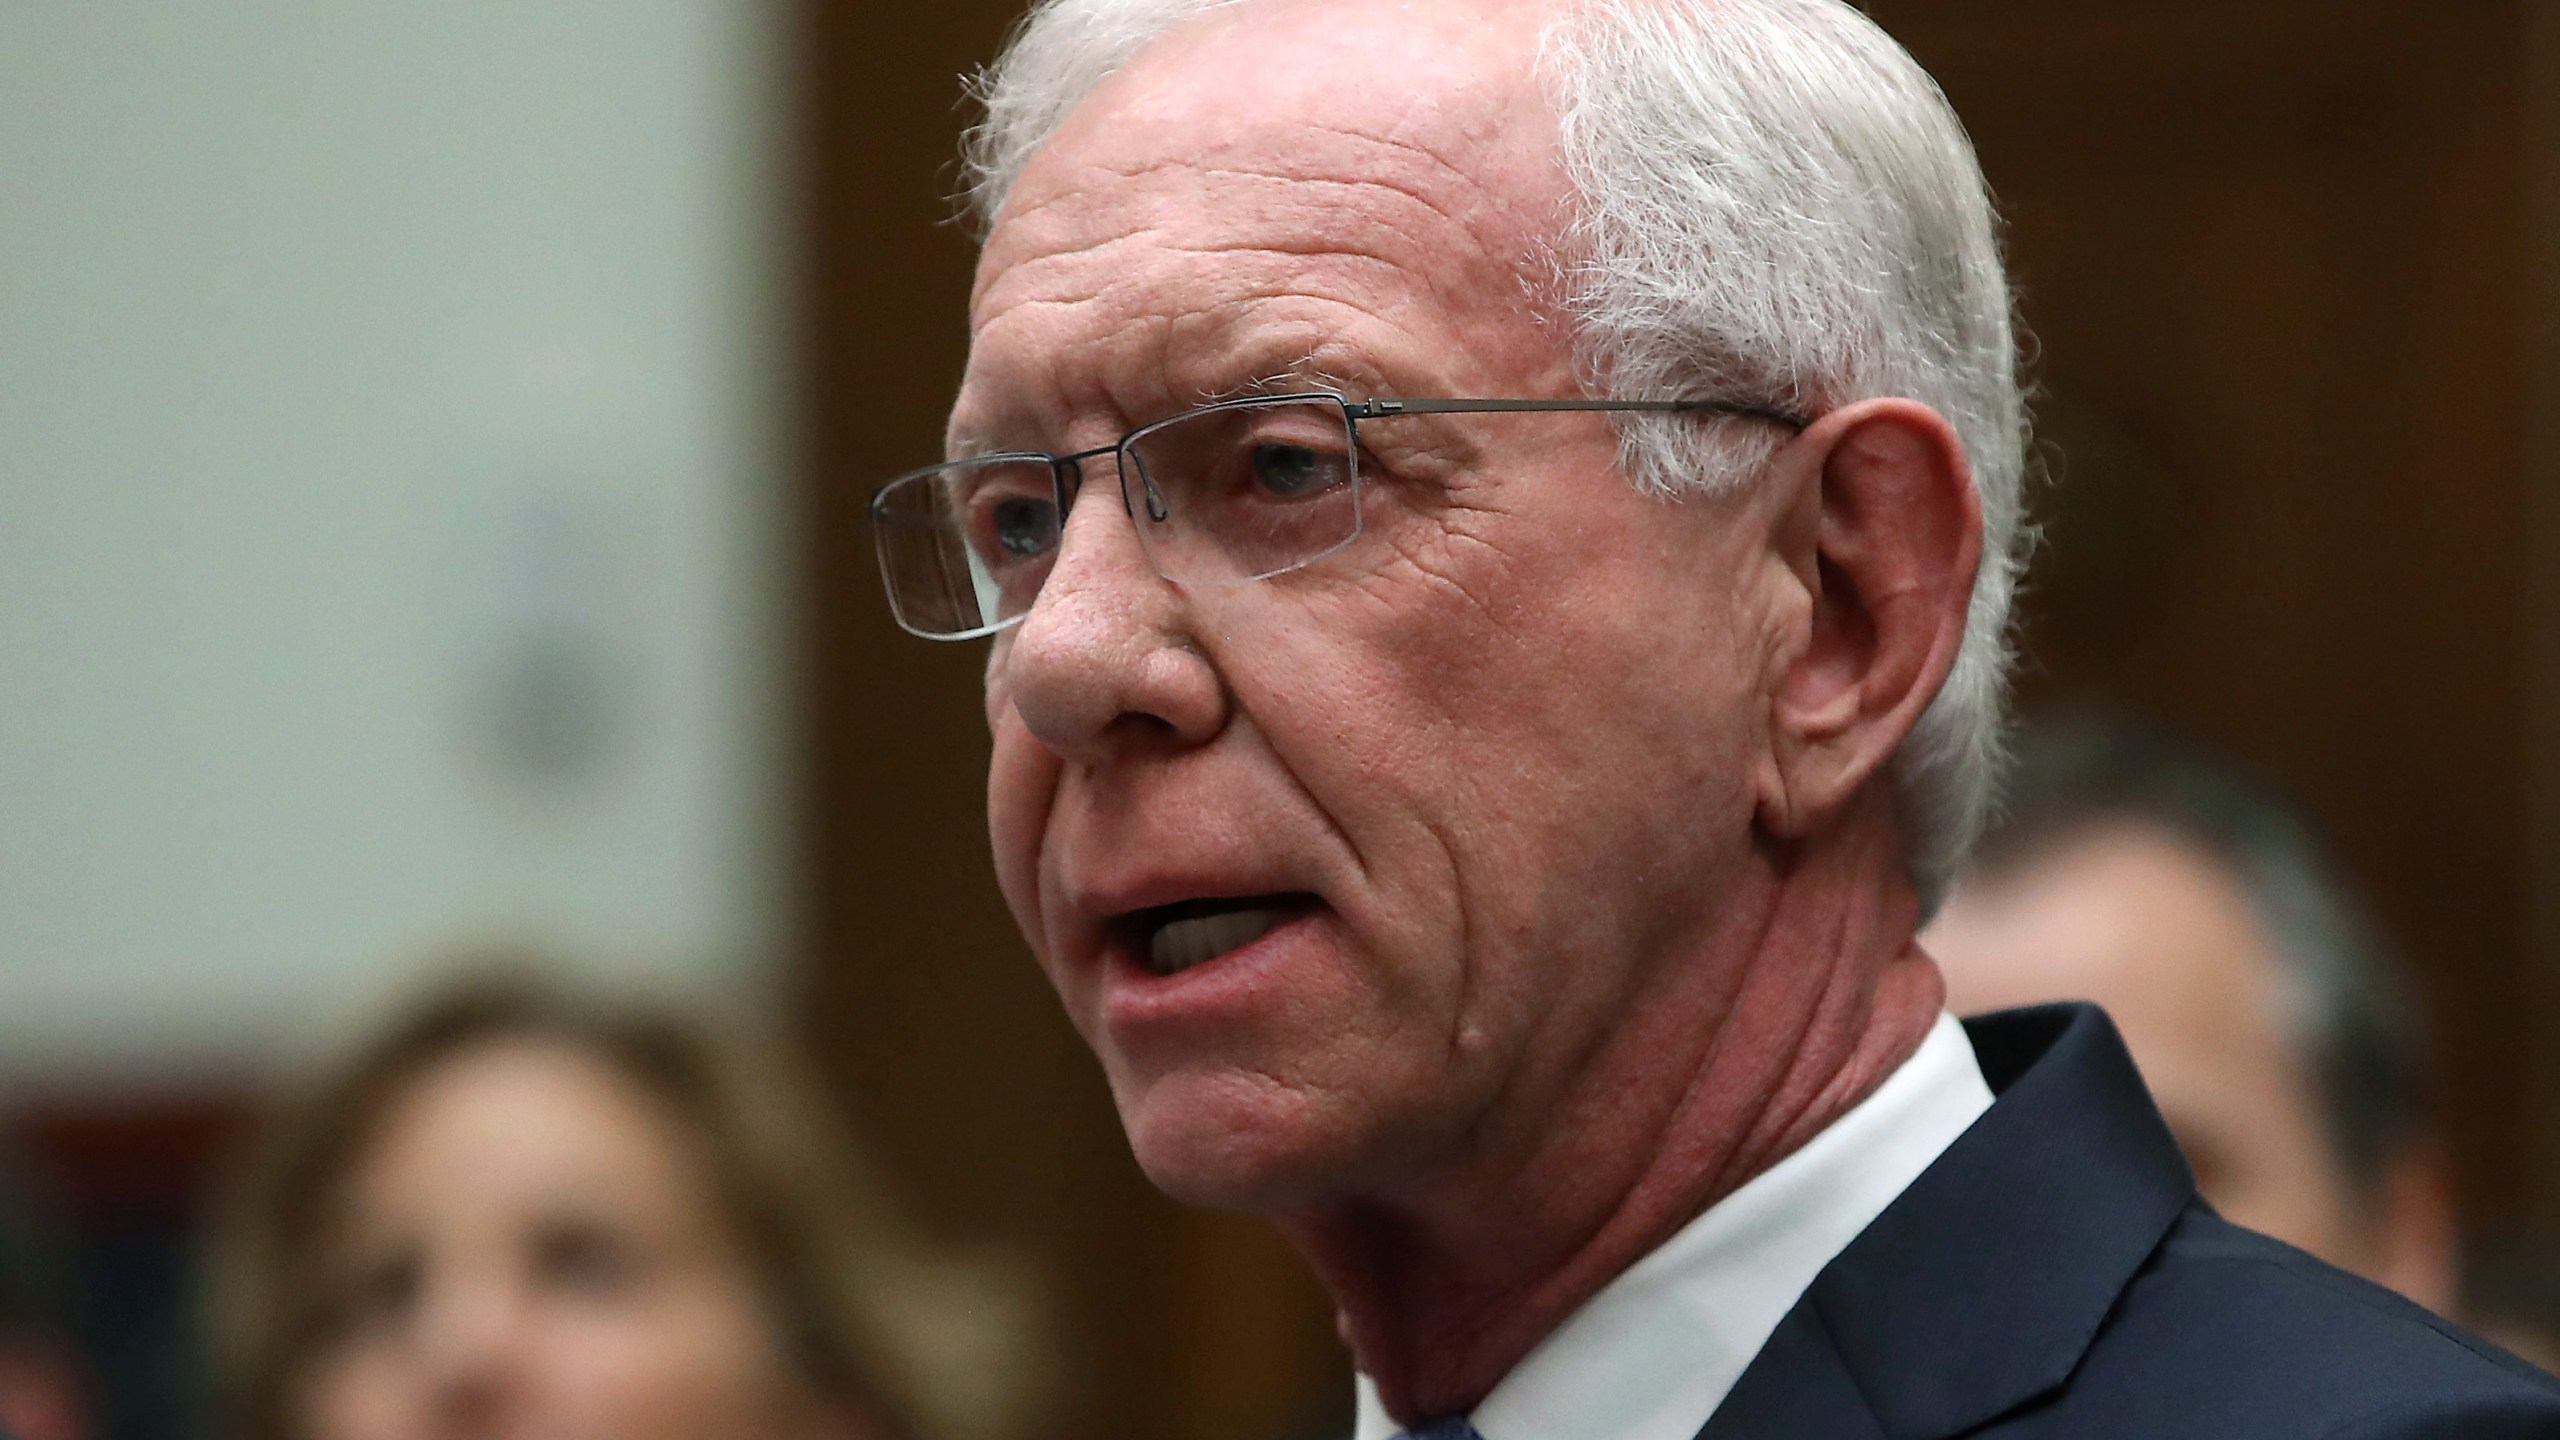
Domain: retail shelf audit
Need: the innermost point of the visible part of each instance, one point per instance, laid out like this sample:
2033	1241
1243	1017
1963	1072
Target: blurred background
433	444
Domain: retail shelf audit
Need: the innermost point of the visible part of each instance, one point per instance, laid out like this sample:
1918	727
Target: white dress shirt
1654	1353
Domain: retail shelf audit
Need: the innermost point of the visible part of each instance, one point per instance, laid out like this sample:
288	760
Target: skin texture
2160	936
529	1250
1587	788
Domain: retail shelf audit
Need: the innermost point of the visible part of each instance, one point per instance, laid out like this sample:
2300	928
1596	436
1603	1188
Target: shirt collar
1652	1355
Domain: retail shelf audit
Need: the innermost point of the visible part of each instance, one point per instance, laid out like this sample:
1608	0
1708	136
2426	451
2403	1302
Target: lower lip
1137	997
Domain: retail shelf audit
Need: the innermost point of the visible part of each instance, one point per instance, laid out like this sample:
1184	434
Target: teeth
1180	944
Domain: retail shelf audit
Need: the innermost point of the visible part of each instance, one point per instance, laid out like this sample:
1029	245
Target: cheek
1548	717
1022	779
362	1394
690	1367
1537	767
998	697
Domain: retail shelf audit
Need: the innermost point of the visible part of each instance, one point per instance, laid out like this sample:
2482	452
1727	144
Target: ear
1883	529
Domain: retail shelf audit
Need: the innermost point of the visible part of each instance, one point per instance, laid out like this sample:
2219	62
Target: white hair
1775	203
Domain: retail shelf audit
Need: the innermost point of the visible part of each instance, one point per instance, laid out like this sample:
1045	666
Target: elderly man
1497	521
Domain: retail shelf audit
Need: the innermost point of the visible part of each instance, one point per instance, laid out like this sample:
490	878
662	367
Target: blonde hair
920	1345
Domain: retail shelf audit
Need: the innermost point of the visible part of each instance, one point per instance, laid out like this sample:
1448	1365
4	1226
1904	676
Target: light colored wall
387	476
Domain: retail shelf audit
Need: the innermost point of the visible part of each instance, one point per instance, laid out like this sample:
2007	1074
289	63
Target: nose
1104	661
470	1344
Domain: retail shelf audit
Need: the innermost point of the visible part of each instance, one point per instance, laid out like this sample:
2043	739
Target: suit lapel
1798	1388
1980	1288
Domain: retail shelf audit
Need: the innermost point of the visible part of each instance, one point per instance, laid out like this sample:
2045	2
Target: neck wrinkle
1439	1297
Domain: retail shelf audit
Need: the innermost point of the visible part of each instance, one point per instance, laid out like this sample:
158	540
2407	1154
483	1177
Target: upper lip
1103	914
1147	917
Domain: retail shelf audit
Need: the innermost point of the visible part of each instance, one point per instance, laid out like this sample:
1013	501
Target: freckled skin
1564	986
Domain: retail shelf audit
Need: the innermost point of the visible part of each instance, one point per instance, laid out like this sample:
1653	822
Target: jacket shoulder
2227	1332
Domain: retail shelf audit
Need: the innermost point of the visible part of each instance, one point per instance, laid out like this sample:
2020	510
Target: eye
376	1297
1008	511
1292	472
1024	526
583	1258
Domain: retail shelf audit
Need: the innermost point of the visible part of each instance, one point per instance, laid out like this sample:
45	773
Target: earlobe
1896	535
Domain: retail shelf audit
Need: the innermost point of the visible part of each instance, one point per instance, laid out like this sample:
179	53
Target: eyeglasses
1237	491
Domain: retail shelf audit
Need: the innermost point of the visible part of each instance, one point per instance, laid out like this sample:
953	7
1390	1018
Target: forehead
514	1104
1277	182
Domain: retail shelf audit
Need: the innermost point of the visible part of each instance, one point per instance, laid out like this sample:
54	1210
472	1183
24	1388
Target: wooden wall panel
2276	256
2541	545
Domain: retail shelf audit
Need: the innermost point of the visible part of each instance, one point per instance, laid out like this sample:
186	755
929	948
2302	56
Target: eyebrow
1330	366
969	447
1308	372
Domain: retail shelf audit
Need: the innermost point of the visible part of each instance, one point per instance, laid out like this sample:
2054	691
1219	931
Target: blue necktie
1447	1427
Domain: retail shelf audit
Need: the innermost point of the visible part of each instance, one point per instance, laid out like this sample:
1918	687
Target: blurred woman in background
523	1214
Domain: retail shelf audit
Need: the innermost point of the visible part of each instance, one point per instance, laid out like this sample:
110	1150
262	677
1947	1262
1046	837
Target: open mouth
1169	939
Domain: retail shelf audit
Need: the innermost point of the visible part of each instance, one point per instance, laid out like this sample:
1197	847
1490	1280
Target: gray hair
2346	1010
1776	203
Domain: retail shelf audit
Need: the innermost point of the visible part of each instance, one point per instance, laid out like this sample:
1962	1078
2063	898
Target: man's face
2159	935
1445	804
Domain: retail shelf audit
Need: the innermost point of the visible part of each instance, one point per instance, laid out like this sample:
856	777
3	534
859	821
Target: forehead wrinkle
1285	163
1091	276
1302	230
1292	164
1241	351
1441	107
1167	363
1040	402
1384	275
1365	216
1092	178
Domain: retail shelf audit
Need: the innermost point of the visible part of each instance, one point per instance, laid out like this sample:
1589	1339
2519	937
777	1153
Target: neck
1781	1026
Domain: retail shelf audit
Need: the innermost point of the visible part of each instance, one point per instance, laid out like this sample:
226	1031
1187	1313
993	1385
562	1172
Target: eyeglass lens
1231	493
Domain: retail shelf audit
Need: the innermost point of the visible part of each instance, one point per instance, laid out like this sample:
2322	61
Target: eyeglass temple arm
1380	409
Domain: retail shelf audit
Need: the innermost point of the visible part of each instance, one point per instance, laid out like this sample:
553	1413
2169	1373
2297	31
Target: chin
1239	1141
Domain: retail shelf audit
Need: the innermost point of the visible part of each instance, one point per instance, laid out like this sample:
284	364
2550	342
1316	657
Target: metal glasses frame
1067	470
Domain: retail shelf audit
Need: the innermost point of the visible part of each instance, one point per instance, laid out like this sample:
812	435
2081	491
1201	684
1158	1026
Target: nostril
1097	668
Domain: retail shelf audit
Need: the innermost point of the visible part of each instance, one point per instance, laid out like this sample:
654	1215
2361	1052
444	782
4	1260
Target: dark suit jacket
2055	1275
